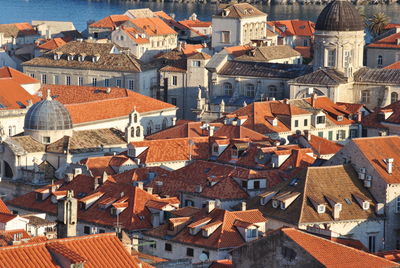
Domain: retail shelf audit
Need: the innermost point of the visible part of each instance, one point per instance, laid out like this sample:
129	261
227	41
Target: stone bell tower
134	129
67	216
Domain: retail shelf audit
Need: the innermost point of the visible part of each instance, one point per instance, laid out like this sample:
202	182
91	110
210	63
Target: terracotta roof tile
53	44
153	26
4	208
293	27
111	22
386	42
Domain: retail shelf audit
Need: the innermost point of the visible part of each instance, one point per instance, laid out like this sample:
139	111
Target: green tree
377	23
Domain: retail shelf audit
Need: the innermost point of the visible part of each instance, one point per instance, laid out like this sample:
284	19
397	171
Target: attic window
321	209
365	205
275	203
348	202
340	118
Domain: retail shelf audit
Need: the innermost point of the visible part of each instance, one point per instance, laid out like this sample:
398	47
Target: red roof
293	27
331	254
387	42
53	44
153	26
221	264
395	65
323	146
4	208
101	250
81	101
111	22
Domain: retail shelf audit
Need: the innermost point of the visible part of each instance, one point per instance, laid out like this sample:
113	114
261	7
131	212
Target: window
131	84
118	83
250	90
32	75
321	119
288	253
251	233
365	96
46	139
102	231
347	58
296	123
56	80
305	122
206	253
321	134
106	82
330	135
353	133
272	91
137	131
173	101
68	80
256	184
189	252
244	184
380	61
174	80
398	204
164	123
341	135
371	243
168	247
305	42
80	81
94	81
86	229
228	89
394	97
44	79
189	203
225	37
331	58
215	148
153	244
196	63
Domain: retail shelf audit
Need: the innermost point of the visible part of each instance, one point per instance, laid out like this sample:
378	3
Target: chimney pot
389	165
244	206
210	205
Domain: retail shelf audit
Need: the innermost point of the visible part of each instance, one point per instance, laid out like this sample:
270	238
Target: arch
305	93
250	90
8	172
132	132
150	127
228	89
135	118
164	123
137	131
394	96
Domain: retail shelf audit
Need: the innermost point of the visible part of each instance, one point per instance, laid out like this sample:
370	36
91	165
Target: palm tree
377	23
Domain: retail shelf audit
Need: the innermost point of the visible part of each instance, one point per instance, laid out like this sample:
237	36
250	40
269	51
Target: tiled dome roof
339	15
47	114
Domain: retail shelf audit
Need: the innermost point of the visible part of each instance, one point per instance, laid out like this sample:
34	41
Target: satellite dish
203	257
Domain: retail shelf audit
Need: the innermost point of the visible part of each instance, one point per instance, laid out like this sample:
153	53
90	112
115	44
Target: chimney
139	184
336	211
103	178
210	205
244	206
211	130
77	171
313	99
69	177
96	182
149	190
199	188
108	90
389	165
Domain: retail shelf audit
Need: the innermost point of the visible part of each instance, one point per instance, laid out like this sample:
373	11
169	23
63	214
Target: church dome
340	15
47	114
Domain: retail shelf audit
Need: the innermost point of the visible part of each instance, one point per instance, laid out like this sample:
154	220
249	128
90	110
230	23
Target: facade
329	200
237	24
374	159
295	33
194	30
211	232
385	51
87	63
16	35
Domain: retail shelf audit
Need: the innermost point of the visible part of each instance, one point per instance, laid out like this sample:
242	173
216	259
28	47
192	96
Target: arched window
150	127
272	91
228	89
137	131
135	118
380	60
132	132
365	96
394	97
164	123
250	90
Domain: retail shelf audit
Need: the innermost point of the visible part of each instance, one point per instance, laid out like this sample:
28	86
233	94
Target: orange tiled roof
293	27
94	250
111	22
323	146
395	65
136	35
81	101
221	264
4	208
225	236
153	26
376	149
331	254
391	255
53	44
237	51
387	42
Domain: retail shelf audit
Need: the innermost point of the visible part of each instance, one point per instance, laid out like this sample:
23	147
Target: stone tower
339	38
134	129
67	216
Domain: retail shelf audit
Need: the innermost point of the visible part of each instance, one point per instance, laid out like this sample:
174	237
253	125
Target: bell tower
67	216
134	129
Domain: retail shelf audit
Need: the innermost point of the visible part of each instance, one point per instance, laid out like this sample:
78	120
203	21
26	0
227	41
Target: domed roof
48	114
339	15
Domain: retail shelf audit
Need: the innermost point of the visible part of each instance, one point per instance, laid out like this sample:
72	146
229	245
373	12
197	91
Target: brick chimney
313	99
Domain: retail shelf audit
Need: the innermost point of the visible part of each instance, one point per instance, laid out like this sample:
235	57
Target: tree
377	23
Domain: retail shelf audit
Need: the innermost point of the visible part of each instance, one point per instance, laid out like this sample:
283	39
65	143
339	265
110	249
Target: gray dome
48	114
339	15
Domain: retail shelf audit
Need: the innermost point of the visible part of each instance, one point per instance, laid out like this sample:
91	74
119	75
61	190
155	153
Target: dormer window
340	118
70	57
57	56
321	119
96	58
275	203
251	233
215	148
365	205
81	57
234	153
